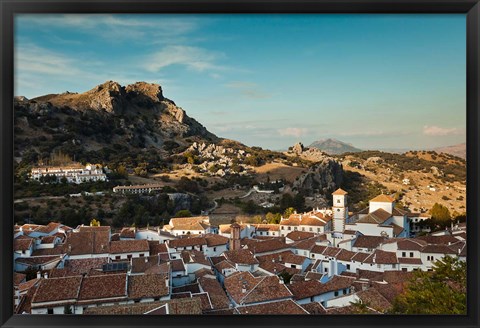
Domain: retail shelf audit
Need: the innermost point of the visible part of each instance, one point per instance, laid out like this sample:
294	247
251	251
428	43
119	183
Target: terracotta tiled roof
129	246
181	306
360	257
48	228
282	257
22	244
318	249
157	247
374	299
127	233
38	260
376	217
306	289
256	289
345	255
314	308
18	278
331	251
437	249
307	244
177	265
267	227
306	219
192	288
241	256
143	264
445	240
300	235
186	242
313	276
48	239
217	295
90	240
194	256
226	228
57	289
411	244
271	308
190	223
390	291
408	260
147	286
28	284
220	266
103	286
340	192
77	267
215	240
258	247
382	199
383	257
95	229
370	242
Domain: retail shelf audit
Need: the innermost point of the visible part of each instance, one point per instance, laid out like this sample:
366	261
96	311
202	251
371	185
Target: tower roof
339	192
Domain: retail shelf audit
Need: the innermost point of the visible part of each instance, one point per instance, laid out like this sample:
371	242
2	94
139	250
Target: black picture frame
8	10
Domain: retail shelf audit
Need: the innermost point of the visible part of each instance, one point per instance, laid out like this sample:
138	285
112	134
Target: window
117	257
214	249
338	201
310	229
338	210
293	266
283	228
142	255
50	311
404	269
348	266
295	228
411	254
289	228
404	254
303	228
129	256
318	229
336	293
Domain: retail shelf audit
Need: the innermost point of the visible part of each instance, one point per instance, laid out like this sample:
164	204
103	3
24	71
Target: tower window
338	201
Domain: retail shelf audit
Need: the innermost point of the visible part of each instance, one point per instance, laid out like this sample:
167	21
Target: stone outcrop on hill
322	177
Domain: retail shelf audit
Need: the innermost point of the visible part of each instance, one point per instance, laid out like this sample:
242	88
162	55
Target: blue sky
376	81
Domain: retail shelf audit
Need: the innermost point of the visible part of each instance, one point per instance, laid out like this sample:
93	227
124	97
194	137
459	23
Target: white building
72	174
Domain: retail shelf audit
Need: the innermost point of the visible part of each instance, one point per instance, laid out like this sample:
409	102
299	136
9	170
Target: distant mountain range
334	146
459	150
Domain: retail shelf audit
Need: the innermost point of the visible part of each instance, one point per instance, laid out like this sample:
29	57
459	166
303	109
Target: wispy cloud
437	131
115	27
194	58
248	89
294	132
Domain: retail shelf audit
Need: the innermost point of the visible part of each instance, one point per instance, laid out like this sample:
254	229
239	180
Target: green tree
183	214
443	291
289	211
440	215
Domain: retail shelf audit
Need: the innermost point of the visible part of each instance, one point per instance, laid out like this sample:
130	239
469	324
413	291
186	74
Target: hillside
109	117
334	146
419	178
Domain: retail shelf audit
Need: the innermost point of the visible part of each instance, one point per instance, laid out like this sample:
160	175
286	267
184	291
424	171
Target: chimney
244	288
146	259
45	275
167	281
279	258
281	281
39	275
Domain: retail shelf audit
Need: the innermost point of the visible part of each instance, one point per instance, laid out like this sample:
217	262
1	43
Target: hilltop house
72	174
